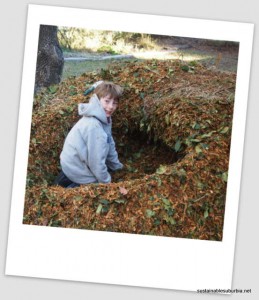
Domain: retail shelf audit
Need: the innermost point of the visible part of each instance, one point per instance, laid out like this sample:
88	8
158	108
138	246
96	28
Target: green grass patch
77	68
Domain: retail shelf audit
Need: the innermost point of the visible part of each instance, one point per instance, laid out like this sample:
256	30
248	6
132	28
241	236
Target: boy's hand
115	170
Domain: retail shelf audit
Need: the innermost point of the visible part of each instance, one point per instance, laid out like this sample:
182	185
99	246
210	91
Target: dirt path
92	58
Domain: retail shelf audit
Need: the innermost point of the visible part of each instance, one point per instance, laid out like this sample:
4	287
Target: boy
89	149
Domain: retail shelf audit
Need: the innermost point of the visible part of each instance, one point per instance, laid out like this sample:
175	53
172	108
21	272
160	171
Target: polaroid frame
119	258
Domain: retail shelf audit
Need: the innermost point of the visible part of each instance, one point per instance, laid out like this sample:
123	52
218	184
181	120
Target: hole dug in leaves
172	132
141	156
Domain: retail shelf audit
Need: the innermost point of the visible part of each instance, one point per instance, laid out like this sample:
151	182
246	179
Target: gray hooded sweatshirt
89	148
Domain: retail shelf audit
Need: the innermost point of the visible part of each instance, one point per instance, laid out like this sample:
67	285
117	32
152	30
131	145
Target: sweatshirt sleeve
112	160
97	149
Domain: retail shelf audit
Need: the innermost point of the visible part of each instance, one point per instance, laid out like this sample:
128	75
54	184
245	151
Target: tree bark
50	60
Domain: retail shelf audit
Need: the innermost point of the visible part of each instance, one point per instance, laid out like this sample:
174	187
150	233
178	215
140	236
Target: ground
223	55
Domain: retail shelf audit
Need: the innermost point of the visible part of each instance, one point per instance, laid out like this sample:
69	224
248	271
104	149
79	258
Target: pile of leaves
172	131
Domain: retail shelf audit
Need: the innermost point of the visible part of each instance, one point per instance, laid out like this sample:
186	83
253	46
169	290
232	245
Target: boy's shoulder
90	122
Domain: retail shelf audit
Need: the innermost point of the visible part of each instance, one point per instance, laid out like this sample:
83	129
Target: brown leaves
174	115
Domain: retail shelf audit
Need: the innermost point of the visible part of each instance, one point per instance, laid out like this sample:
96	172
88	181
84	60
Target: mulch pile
182	111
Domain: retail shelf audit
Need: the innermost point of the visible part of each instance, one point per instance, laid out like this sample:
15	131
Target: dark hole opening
141	156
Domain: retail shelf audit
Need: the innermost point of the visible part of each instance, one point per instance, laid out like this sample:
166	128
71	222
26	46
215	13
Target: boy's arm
112	160
97	150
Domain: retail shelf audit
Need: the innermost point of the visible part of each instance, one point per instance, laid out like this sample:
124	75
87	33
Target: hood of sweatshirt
93	109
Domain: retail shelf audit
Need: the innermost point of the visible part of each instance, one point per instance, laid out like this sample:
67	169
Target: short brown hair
107	88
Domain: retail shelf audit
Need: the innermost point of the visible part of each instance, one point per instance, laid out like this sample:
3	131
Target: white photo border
118	258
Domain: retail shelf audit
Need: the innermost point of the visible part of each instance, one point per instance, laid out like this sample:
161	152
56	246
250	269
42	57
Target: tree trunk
50	60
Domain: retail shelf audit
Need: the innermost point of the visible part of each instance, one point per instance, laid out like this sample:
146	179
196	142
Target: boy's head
108	94
109	89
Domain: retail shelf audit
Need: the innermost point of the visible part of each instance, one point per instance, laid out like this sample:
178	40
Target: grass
76	68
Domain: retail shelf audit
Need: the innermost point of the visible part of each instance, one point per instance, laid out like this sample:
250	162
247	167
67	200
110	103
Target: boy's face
109	105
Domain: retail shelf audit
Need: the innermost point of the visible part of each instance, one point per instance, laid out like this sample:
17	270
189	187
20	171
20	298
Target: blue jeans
62	180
